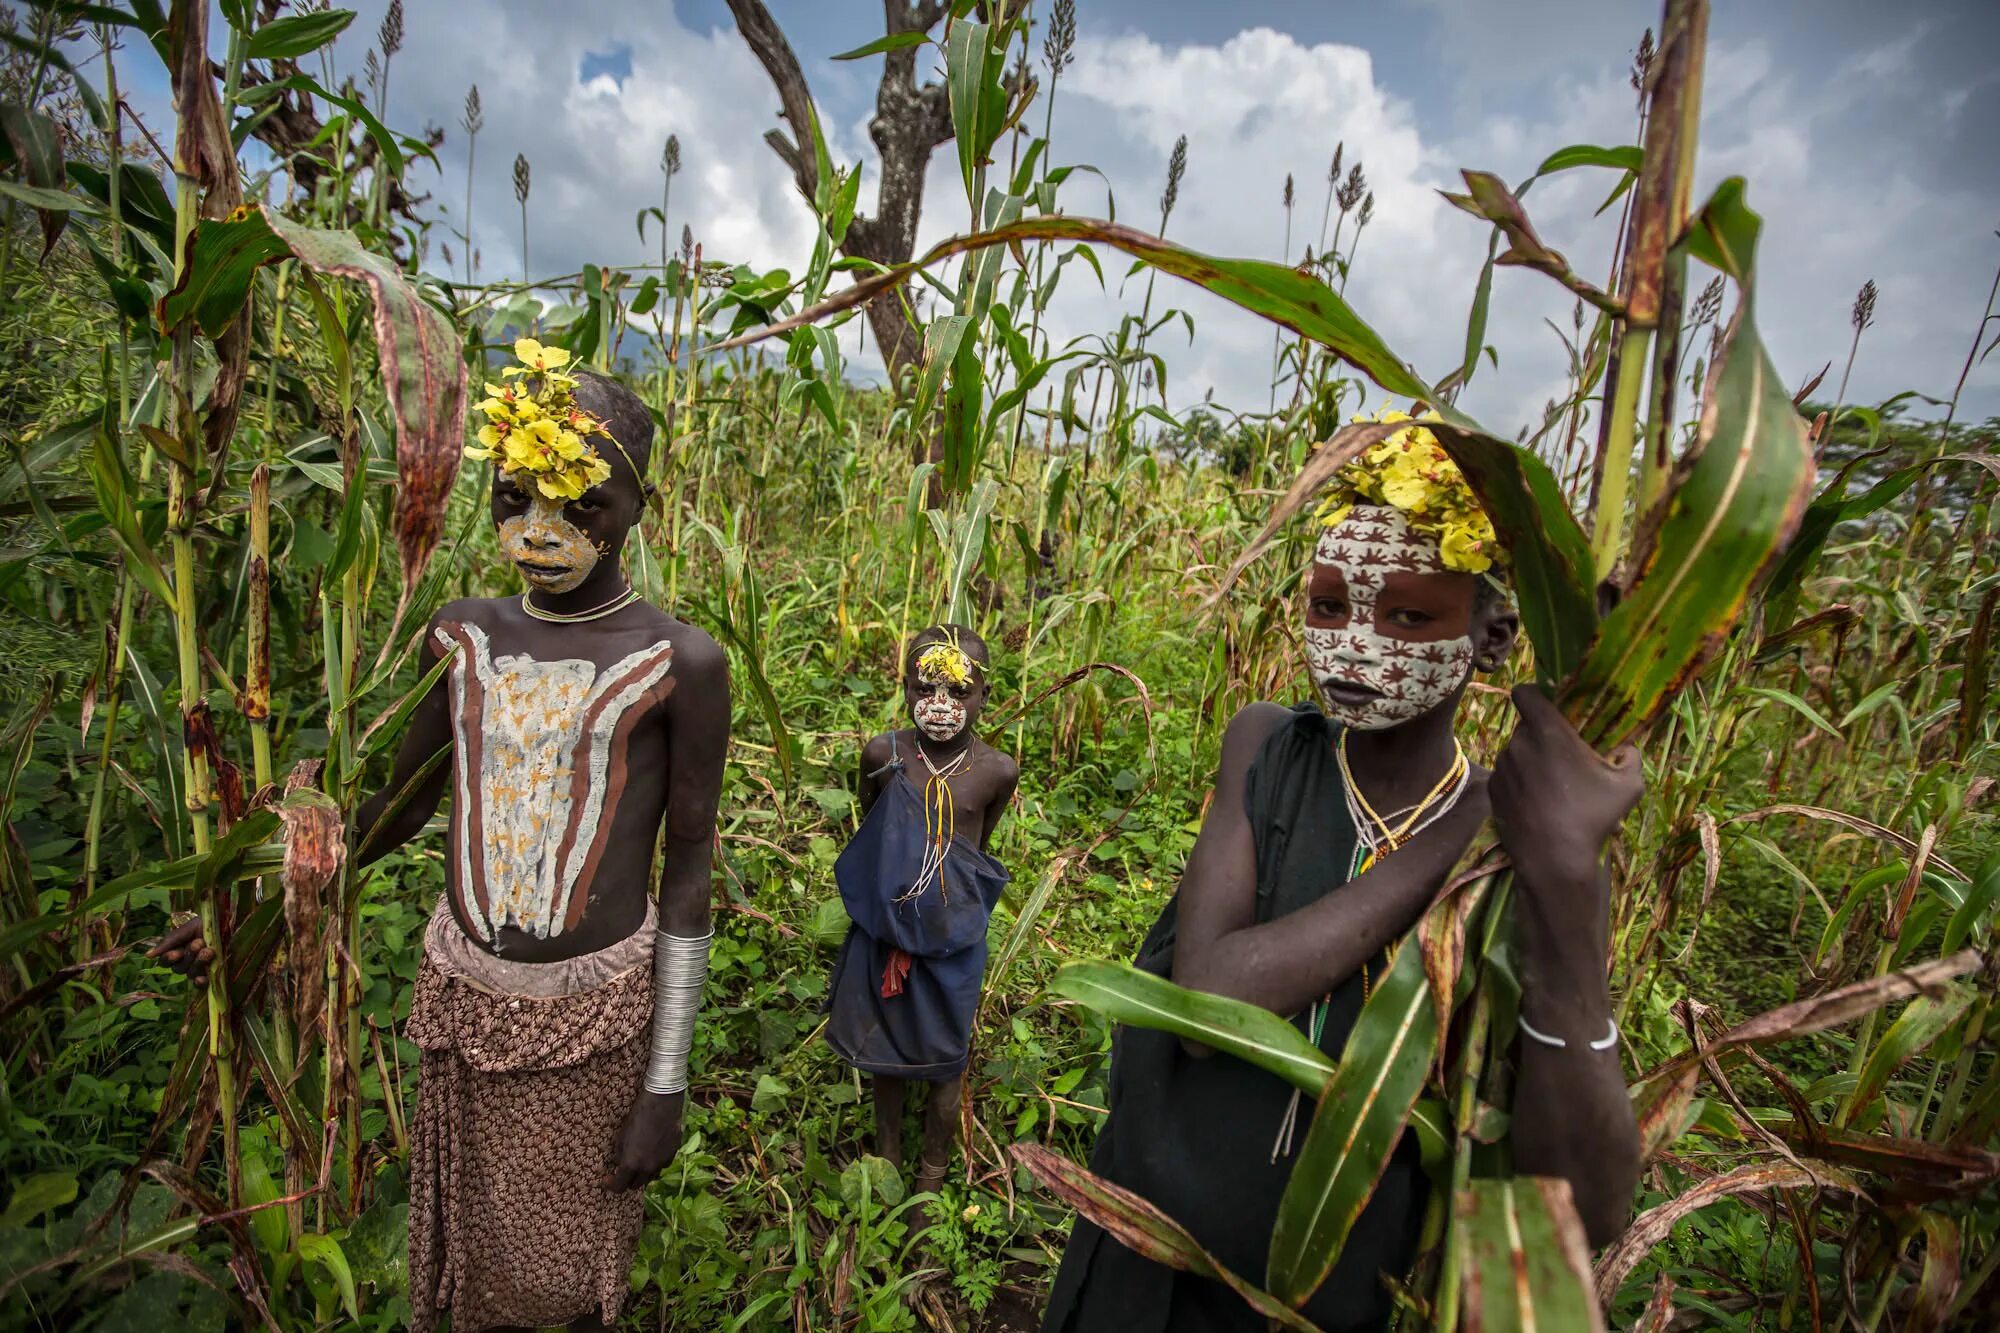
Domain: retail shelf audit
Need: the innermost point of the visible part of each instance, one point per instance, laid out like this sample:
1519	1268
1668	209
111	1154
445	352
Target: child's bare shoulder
998	762
878	750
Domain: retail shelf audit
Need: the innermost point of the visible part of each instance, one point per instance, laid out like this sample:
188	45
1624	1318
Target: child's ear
1493	637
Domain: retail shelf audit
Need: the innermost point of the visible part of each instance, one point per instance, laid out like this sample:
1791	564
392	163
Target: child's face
555	544
1388	628
941	709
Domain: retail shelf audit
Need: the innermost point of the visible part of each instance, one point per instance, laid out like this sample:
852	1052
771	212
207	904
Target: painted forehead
937	672
1378	540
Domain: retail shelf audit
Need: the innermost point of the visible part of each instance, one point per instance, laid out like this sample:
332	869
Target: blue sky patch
617	62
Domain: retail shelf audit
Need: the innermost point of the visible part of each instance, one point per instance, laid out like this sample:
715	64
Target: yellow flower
946	662
1410	471
534	356
559	485
535	429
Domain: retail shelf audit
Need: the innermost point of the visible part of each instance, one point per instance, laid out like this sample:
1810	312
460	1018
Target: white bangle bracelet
1604	1043
680	969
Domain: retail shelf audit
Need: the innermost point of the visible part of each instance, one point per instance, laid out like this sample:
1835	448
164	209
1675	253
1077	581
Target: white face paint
1370	679
939	714
551	552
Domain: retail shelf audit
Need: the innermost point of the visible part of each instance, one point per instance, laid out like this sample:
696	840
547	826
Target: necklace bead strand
618	603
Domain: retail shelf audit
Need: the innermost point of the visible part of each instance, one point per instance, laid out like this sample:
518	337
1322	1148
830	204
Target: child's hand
185	951
1555	800
648	1140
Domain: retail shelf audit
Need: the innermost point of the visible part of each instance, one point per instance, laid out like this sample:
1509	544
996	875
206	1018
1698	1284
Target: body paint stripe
467	822
588	799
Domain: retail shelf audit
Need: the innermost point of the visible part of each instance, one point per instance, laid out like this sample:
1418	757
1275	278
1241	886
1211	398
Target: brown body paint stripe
468	824
615	774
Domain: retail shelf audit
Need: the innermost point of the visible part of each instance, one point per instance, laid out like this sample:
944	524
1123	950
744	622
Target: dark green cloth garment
1195	1136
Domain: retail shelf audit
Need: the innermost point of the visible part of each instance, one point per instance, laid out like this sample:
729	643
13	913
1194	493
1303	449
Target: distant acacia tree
910	121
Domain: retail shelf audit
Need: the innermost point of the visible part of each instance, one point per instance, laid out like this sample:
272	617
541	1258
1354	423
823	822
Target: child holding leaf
1332	829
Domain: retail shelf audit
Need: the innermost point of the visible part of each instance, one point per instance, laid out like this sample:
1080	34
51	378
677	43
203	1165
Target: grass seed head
522	178
474	119
670	160
1333	172
1351	190
1288	191
1059	46
1176	168
390	34
1864	306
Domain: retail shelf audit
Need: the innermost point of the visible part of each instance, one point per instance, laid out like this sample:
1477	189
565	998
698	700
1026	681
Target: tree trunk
909	122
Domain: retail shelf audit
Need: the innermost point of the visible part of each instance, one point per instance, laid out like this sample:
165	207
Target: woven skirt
527	1071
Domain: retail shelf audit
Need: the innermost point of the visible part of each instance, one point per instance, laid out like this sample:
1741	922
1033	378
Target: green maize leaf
1624	157
267	1224
296	35
1976	912
224	861
1546	549
942	337
114	501
223	257
976	76
1249	1032
35	146
1142	1228
1359	1122
1283	295
1737	498
36	1195
1525	1262
964	395
1915	1028
386	141
895	41
965	547
316	1247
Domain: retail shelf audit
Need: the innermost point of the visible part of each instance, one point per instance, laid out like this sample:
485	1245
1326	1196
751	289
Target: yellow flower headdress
946	662
1410	471
534	429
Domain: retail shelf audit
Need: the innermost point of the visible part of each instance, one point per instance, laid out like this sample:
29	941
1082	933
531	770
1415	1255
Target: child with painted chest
920	887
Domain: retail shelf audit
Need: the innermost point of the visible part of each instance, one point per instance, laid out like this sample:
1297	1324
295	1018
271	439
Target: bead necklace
1374	838
940	821
618	603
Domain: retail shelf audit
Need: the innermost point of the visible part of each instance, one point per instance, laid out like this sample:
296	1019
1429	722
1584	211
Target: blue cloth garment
922	1032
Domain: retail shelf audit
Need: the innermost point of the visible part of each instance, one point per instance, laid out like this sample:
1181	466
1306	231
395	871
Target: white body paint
544	536
1413	677
938	715
531	733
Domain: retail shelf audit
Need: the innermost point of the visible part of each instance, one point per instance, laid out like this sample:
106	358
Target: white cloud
1829	150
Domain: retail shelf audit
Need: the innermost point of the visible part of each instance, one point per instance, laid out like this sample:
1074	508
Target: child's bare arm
875	756
1286	965
382	829
1557	803
1009	779
698	744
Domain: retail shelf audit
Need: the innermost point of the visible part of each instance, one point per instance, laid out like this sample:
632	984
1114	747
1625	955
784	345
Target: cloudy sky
1857	123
